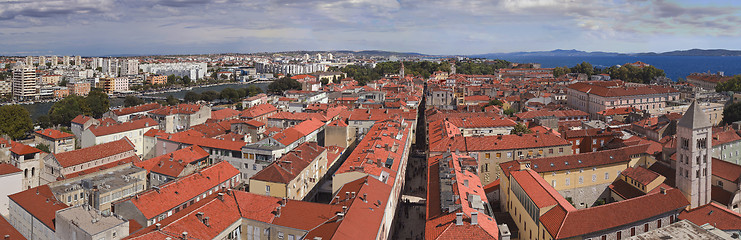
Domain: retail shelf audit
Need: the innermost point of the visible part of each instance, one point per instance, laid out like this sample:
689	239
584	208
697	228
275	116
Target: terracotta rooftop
54	134
40	203
79	156
715	215
177	109
617	88
154	202
136	109
640	174
173	164
224	114
726	170
106	129
291	164
8	169
258	111
22	149
8	230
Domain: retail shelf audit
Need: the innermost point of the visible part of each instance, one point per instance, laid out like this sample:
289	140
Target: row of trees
626	72
229	94
365	74
282	84
481	68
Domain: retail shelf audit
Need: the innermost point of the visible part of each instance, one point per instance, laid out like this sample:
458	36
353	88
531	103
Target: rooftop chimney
205	221
365	197
221	196
185	235
157	226
465	182
459	219
352	195
662	190
474	218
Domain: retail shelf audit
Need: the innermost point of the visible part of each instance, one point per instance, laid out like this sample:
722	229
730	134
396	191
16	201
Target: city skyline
98	28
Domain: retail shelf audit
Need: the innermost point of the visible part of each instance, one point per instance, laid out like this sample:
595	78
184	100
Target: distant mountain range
577	53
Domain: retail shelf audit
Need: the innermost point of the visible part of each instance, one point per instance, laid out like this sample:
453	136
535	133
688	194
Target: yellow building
582	179
294	175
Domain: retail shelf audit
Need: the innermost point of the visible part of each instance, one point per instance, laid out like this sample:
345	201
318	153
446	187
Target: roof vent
459	219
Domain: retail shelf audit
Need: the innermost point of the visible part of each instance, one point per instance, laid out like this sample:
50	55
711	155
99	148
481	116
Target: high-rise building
330	57
29	60
78	61
130	67
110	67
42	61
54	61
694	169
24	83
65	61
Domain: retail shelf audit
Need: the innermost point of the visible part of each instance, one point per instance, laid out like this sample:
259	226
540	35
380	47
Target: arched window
25	173
33	171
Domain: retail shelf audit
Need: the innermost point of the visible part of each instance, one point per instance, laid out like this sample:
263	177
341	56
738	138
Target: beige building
593	97
294	175
51	79
714	111
83	222
338	133
99	189
57	141
181	117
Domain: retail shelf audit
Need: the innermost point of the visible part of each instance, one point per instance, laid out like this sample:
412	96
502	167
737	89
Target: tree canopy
98	103
520	128
625	72
732	113
15	121
131	101
733	85
283	84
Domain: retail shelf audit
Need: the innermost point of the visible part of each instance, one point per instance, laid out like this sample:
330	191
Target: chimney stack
459	219
352	195
474	218
221	196
185	235
157	226
205	221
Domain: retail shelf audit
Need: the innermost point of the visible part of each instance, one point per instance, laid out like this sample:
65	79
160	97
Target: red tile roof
211	130
136	109
258	111
191	137
173	164
715	215
105	129
54	134
132	159
79	156
40	203
178	109
81	119
724	137
548	113
8	230
224	114
8	169
608	216
22	149
153	202
726	170
618	111
291	164
618	88
640	174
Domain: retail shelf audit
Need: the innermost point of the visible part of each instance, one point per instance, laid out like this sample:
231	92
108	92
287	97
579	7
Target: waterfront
42	108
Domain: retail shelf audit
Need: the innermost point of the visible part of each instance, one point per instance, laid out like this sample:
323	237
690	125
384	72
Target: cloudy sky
104	27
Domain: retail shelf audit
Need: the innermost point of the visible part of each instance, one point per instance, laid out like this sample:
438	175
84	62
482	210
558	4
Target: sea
675	67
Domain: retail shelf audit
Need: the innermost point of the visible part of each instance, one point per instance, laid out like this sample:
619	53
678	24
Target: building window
568	181
499	155
553	183
594	177
488	155
607	175
550	151
581	180
267	190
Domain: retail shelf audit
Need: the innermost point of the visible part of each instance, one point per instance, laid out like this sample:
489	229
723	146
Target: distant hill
577	53
695	52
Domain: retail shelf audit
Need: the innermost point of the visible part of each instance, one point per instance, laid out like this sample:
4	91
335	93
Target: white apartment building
193	70
25	85
134	130
130	67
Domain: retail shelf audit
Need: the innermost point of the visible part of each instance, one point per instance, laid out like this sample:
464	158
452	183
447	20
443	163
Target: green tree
494	102
63	83
43	147
732	113
520	128
63	111
98	103
283	84
209	95
509	111
15	121
229	94
186	80
191	97
253	90
44	121
171	101
131	101
560	71
732	85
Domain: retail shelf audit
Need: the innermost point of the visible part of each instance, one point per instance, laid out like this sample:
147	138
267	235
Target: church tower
693	168
401	71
